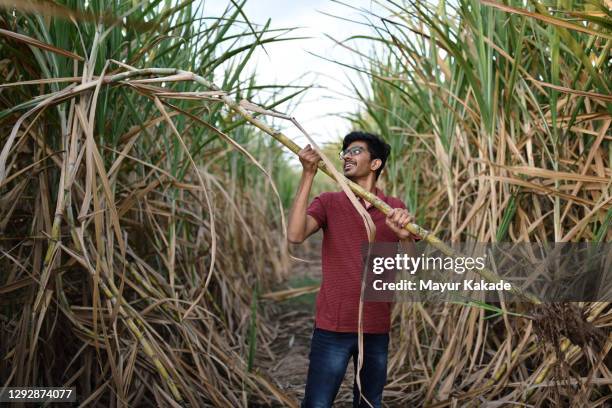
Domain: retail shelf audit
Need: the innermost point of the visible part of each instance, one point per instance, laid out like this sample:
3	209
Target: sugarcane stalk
112	293
566	347
368	196
174	74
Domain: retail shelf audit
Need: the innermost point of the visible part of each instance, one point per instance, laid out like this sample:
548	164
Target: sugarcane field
265	203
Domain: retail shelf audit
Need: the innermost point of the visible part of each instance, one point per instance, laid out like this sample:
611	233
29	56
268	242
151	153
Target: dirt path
294	320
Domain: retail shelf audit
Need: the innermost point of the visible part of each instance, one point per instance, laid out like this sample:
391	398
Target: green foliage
478	96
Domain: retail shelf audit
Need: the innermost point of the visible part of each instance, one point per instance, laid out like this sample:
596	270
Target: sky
286	62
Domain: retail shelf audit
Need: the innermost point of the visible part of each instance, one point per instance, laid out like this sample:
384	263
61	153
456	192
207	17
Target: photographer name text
430	285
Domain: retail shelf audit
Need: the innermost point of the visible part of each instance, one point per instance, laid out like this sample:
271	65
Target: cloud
285	62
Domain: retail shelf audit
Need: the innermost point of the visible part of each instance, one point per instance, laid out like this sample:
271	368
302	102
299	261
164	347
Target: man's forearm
296	226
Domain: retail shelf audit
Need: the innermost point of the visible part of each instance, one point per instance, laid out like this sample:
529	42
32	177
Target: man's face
359	163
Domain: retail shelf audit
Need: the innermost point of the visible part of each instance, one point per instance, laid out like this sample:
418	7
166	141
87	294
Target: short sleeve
316	210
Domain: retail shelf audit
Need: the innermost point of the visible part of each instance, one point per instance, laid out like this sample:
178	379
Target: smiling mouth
348	166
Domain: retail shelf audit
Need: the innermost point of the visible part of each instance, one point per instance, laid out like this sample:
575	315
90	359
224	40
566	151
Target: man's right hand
309	159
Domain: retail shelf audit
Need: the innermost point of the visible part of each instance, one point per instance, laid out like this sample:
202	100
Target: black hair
378	148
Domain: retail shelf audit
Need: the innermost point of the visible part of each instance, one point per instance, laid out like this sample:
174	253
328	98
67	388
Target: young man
334	339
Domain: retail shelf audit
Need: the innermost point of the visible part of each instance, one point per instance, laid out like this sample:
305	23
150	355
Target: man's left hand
397	219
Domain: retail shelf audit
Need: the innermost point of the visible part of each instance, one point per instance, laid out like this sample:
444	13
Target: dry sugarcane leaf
39	44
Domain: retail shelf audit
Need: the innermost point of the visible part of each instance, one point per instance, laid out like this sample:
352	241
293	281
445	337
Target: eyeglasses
353	151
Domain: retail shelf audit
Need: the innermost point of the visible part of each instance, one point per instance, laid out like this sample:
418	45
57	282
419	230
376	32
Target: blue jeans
329	355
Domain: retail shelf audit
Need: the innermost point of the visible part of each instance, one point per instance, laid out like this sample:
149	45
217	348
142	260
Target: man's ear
375	164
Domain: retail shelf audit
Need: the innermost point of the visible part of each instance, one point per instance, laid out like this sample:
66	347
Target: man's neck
368	184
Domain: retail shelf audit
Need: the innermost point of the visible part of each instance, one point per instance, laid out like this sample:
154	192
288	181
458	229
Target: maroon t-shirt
337	307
